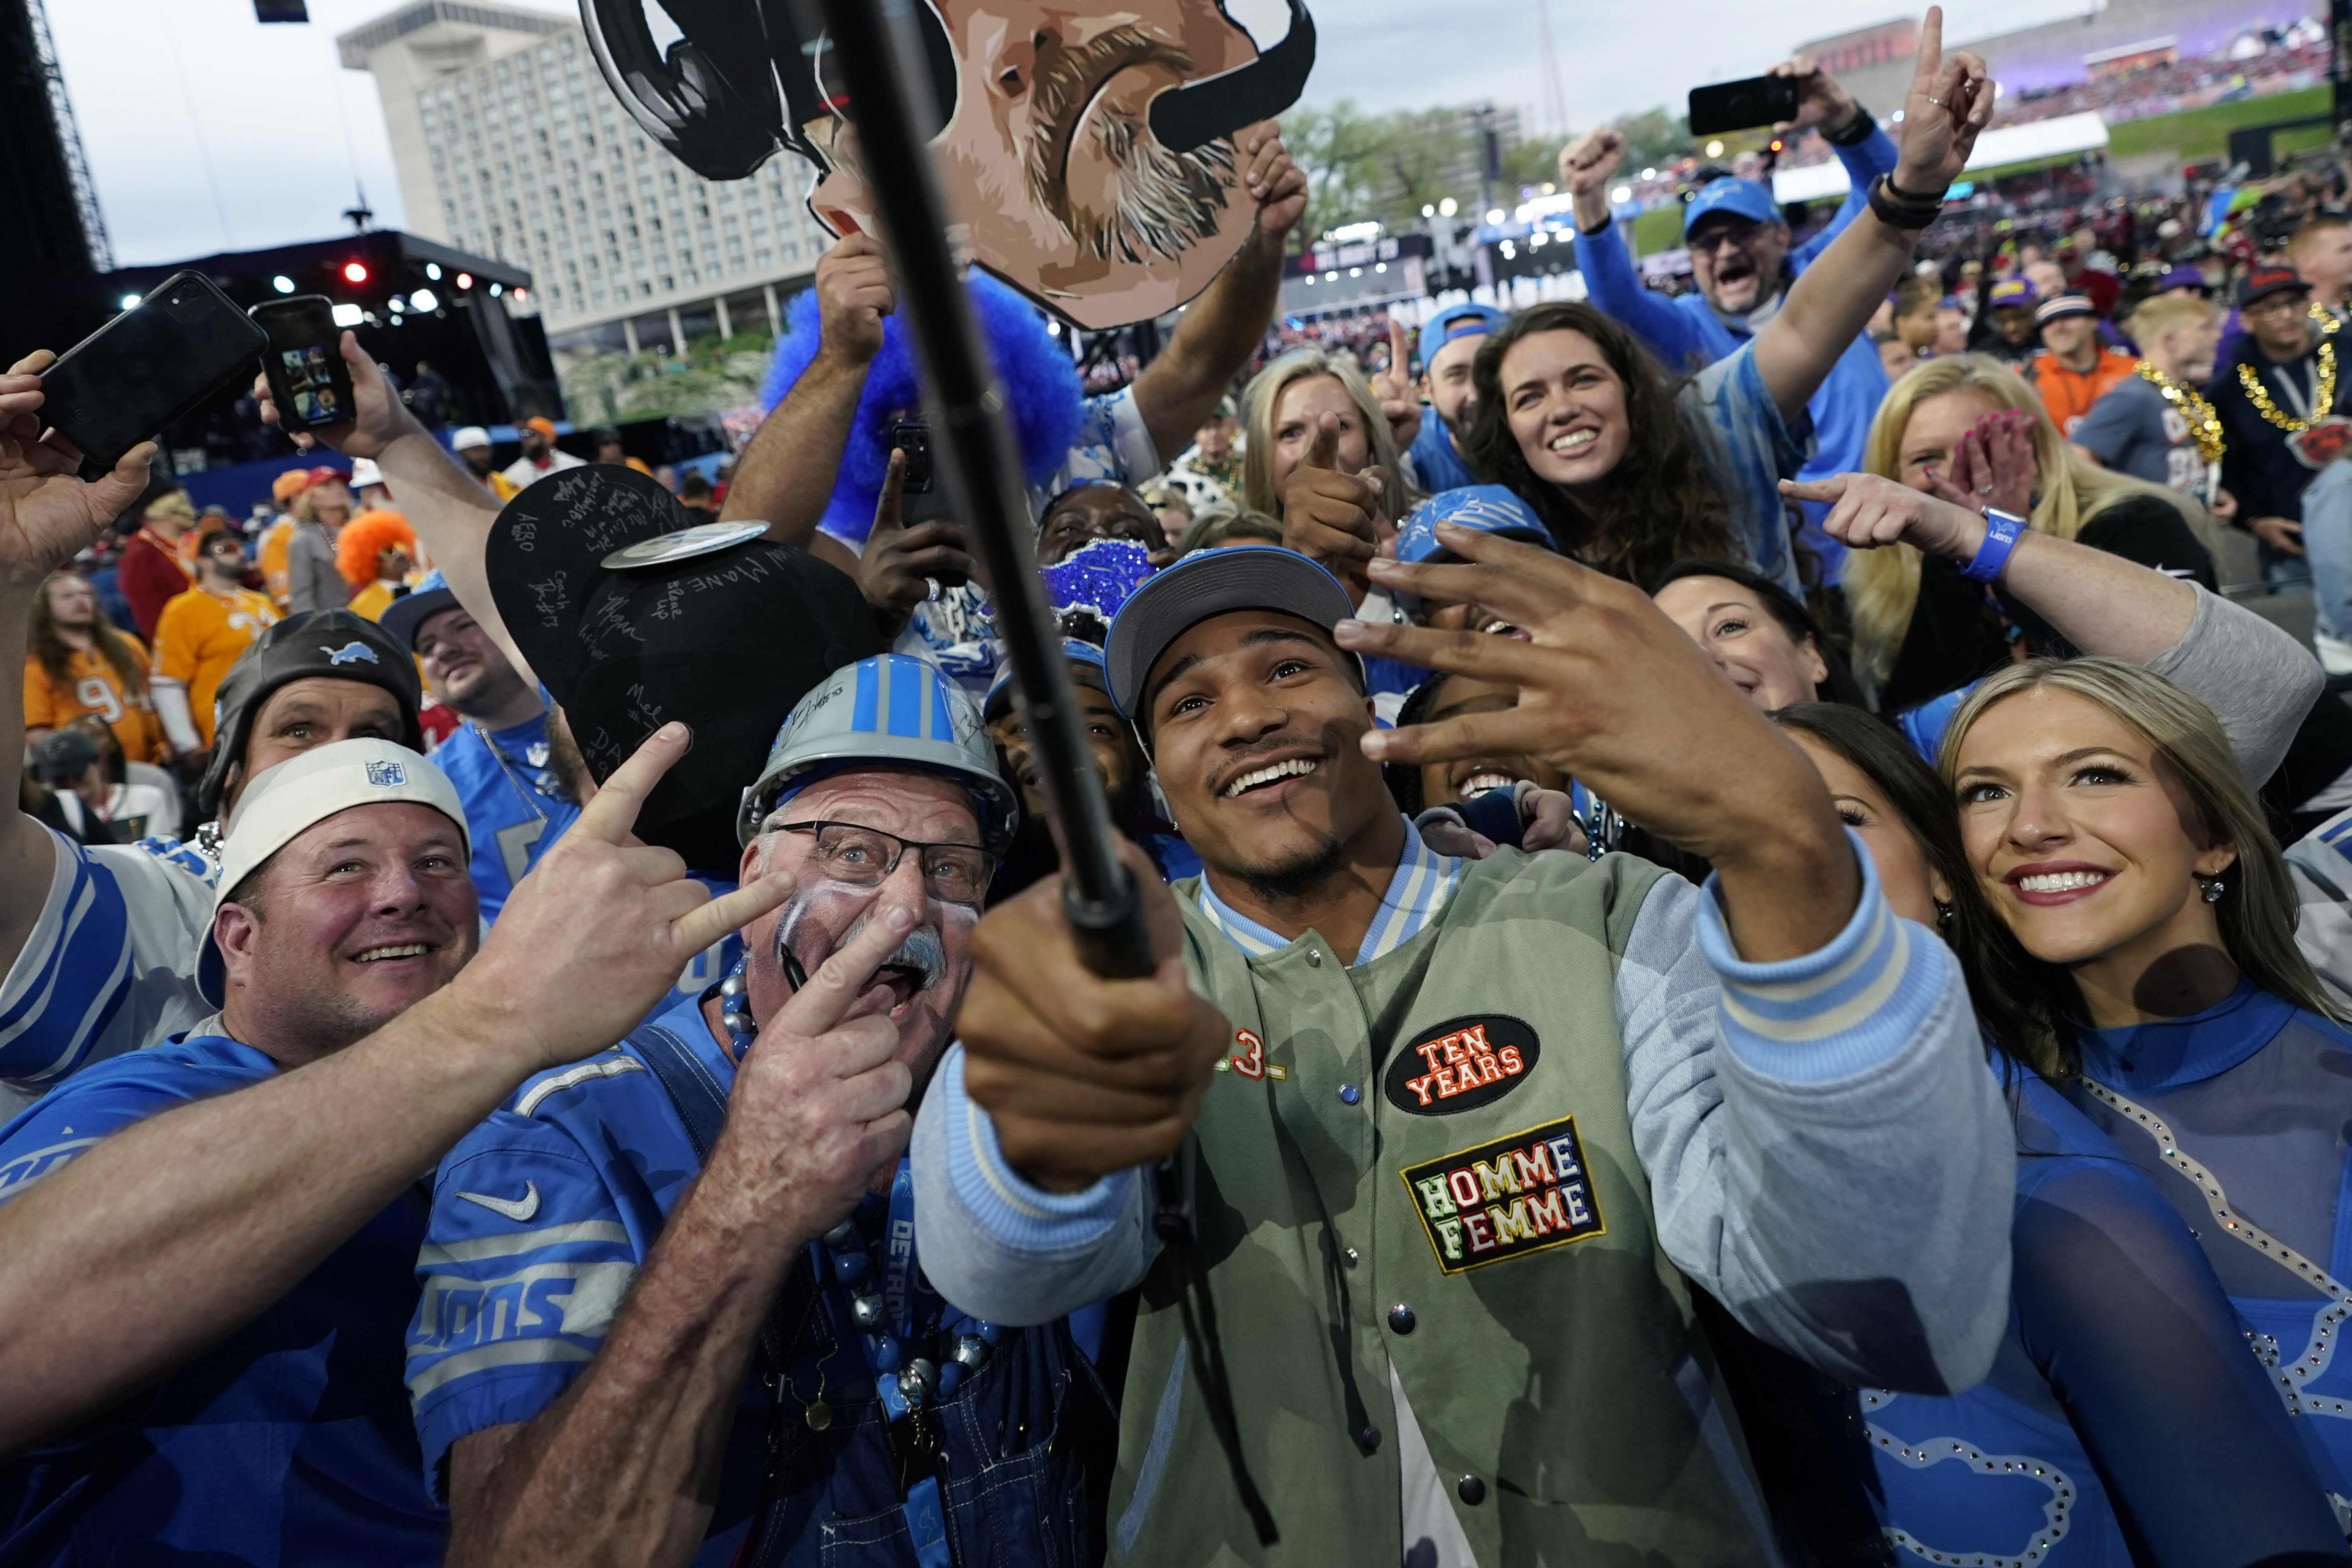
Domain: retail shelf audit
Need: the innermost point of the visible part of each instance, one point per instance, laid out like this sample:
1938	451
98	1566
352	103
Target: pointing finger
894	484
1829	489
820	1005
612	812
1324	449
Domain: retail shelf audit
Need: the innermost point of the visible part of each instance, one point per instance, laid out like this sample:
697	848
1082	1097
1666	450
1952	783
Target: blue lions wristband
2001	534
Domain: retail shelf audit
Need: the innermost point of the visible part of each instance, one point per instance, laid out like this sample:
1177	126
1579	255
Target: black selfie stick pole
876	54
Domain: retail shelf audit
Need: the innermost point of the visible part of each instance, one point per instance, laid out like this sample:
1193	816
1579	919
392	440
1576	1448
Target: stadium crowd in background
1747	887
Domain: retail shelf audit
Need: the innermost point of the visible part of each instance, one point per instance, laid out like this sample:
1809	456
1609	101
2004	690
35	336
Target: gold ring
1937	103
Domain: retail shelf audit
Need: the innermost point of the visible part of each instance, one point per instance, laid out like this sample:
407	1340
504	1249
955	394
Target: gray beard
1167	201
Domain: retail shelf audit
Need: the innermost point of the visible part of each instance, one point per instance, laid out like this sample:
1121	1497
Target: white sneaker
2335	653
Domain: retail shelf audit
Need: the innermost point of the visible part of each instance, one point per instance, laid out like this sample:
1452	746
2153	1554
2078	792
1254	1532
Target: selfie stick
982	466
876	53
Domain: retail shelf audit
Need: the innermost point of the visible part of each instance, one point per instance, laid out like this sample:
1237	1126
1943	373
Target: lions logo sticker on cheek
1460	1065
1525	1193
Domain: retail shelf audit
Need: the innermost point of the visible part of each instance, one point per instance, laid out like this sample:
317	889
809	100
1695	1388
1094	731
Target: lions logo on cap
352	652
386	775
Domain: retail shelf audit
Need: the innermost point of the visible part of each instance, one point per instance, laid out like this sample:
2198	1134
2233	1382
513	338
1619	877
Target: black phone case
149	366
281	392
1741	105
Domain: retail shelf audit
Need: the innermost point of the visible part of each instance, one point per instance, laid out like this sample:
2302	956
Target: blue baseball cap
1086	668
1464	320
1742	198
406	613
1490	509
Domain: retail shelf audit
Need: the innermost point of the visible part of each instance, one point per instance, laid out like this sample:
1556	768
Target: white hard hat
890	709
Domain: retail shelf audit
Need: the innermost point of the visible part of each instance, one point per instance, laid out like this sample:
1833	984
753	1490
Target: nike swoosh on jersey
516	1209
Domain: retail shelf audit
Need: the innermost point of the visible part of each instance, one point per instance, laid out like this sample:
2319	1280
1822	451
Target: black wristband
1896	214
1603	226
1856	130
1913	198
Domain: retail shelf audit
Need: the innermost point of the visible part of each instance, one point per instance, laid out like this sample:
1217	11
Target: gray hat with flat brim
1213	583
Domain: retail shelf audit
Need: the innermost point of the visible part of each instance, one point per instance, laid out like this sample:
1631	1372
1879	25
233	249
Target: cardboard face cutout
1089	151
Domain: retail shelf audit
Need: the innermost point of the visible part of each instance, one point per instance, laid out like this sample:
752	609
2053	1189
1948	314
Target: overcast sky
207	131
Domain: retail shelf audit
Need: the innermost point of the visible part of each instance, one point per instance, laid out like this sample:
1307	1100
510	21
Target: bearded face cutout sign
1089	151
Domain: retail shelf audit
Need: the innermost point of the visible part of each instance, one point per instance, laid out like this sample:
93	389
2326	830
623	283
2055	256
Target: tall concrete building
509	145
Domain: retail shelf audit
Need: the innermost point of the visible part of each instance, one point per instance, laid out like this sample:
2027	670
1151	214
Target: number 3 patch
1524	1194
1248	1058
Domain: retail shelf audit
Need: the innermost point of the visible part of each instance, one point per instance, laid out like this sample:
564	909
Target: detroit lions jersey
110	964
513	810
287	1444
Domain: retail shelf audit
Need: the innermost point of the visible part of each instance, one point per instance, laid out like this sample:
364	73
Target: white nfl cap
284	802
471	435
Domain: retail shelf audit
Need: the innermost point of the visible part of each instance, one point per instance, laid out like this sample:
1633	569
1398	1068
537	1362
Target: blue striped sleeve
1024	1217
1829	1015
72	974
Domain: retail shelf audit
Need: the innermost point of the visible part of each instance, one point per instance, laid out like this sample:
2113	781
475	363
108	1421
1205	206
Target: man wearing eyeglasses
639	1338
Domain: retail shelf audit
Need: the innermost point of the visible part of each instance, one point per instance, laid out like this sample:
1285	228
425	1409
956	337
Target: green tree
1654	137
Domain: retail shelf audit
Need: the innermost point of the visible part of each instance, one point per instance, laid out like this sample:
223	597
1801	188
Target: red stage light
354	272
465	280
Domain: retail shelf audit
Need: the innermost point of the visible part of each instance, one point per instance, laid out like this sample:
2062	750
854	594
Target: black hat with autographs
634	614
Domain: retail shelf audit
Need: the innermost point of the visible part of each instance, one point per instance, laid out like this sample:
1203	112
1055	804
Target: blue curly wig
1040	383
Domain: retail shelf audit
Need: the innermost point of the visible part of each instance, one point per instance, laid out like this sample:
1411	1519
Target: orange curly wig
367	536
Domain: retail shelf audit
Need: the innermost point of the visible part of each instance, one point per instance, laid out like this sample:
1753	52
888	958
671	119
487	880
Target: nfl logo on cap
386	775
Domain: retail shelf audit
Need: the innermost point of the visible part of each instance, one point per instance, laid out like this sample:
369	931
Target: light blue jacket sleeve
1615	287
1865	160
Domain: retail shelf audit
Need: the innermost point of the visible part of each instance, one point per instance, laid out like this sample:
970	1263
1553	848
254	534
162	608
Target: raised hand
853	292
1276	184
1870	512
1083	1076
820	1101
1820	102
47	516
1587	162
1400	404
1612	692
599	930
894	570
378	416
1950	101
1331	517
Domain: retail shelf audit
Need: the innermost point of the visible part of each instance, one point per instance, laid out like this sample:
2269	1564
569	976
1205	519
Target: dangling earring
1944	915
2212	890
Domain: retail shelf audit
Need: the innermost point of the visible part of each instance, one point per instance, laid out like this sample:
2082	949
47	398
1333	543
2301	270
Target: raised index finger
612	815
819	1004
1931	50
1400	358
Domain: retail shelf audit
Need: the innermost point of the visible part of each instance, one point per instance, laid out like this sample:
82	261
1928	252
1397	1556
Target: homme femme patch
1525	1193
1460	1065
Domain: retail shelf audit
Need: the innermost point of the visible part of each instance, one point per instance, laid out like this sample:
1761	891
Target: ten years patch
1460	1065
1524	1194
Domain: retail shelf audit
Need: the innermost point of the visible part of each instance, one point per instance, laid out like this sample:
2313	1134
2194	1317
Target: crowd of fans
541	1024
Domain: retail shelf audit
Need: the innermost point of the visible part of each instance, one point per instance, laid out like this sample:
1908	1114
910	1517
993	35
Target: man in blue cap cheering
1743	263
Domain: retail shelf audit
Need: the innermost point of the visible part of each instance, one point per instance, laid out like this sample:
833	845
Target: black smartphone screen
307	379
151	366
1742	105
913	437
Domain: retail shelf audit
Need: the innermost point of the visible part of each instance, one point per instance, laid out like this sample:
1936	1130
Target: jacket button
1400	1318
1352	1256
1313	958
1348	1094
1369	1439
1471	1490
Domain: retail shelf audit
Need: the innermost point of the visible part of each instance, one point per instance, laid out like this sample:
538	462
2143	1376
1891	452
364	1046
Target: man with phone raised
1743	263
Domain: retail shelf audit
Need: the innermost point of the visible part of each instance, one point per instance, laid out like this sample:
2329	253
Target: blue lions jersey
287	1444
513	809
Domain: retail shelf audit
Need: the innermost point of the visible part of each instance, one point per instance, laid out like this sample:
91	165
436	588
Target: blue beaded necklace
906	1385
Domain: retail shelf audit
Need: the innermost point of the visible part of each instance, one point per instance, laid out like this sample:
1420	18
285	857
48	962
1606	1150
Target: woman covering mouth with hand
2108	823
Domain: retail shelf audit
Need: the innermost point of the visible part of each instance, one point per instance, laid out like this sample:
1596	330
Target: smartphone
1742	105
307	379
913	437
151	366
